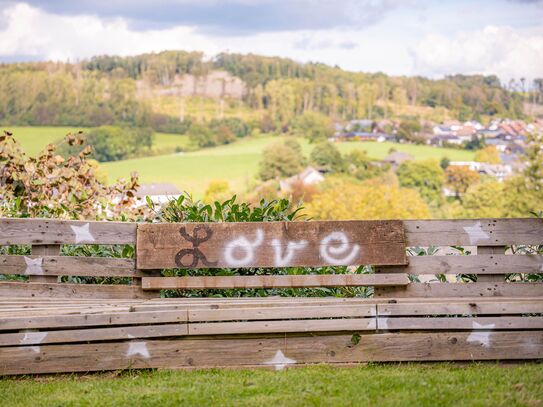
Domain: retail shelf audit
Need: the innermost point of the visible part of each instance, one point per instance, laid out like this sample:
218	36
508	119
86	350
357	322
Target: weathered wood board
291	281
474	232
276	352
270	244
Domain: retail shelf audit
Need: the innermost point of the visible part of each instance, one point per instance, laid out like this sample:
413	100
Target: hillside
162	90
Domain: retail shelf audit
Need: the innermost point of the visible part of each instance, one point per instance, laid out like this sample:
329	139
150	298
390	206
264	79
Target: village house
158	193
309	176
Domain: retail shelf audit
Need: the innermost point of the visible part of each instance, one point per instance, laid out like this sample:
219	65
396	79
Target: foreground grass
383	385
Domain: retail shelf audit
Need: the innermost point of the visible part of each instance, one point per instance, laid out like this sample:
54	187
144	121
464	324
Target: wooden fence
51	326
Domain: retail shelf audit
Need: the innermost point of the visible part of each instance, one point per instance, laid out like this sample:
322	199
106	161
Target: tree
50	186
426	177
483	200
409	130
326	157
359	165
460	178
217	190
315	126
280	160
112	143
488	155
201	136
345	200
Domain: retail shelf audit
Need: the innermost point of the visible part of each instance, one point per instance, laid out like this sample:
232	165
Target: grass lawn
238	163
33	139
372	385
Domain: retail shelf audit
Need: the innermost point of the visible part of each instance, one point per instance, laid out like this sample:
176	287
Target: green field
33	139
371	385
236	163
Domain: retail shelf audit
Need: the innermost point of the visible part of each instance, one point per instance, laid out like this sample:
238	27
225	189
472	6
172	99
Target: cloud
36	34
231	17
504	51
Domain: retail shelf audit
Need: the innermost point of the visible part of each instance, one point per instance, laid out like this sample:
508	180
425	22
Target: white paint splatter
33	337
35	349
34	266
83	234
382	320
481	336
130	336
279	361
337	254
282	261
244	245
476	233
138	348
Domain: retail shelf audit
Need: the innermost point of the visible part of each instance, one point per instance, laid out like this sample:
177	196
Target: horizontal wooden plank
105	319
463	290
68	266
469	307
283	281
479	264
93	334
283	312
270	244
55	231
277	352
474	324
71	290
302	325
474	232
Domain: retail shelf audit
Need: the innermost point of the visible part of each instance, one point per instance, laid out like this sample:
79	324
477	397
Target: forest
104	91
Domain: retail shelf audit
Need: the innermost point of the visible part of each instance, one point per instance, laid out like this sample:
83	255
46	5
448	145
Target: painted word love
270	244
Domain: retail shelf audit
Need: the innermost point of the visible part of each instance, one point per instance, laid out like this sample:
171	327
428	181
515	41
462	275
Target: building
309	176
498	171
158	193
396	158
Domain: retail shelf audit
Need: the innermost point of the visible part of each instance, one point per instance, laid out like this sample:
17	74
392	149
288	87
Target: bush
281	160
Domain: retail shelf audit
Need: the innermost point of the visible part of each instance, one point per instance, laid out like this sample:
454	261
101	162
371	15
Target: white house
309	176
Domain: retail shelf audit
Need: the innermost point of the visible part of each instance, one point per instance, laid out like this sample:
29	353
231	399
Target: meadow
374	384
236	163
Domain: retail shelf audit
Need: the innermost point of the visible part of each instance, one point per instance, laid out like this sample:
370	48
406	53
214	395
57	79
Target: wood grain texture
69	266
479	232
71	290
490	250
479	264
270	244
93	334
288	281
420	290
91	319
471	306
472	324
261	351
43	250
54	231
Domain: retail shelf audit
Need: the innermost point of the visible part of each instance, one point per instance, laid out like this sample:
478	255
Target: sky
429	38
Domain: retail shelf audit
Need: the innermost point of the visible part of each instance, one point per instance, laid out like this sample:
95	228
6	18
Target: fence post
488	278
45	250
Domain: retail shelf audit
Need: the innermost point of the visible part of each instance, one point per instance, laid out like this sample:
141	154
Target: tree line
104	91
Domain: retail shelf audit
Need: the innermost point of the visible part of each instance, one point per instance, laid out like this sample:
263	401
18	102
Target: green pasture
236	163
371	385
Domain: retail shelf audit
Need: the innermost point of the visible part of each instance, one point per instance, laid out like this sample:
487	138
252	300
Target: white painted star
476	233
82	233
34	266
482	335
138	348
33	337
279	361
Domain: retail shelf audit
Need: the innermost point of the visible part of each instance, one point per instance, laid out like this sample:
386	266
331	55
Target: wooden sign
270	244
